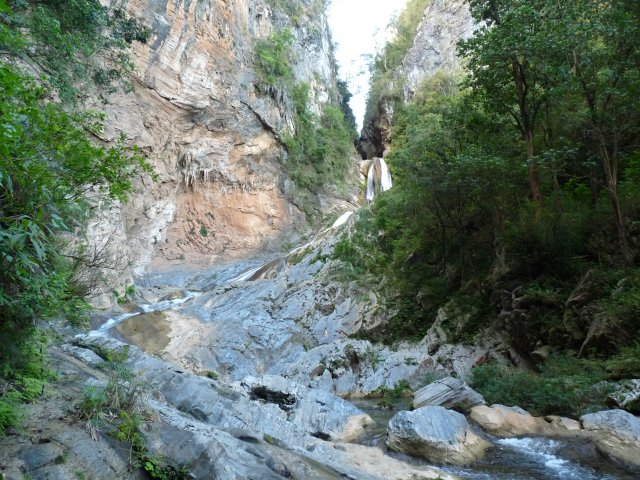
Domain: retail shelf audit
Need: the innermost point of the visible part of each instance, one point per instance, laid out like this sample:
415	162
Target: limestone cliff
443	24
213	139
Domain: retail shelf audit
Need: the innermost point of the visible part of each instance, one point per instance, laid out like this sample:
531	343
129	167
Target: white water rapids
508	459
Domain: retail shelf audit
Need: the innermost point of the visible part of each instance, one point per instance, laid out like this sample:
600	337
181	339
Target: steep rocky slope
443	24
212	137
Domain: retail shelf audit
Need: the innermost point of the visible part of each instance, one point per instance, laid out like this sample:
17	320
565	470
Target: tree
74	44
47	164
602	50
508	68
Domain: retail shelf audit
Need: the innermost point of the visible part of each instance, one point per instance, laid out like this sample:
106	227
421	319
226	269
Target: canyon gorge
240	329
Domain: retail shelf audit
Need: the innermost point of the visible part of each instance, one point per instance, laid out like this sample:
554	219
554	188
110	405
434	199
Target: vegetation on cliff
320	144
385	86
49	161
517	186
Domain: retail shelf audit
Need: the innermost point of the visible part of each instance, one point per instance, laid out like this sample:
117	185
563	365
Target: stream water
508	459
512	458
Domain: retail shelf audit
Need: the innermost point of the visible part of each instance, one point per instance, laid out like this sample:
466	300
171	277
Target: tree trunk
534	179
526	124
610	167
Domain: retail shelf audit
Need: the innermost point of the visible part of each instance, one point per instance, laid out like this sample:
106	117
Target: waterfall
370	192
378	178
385	176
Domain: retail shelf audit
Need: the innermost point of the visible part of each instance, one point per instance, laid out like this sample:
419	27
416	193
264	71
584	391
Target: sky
358	28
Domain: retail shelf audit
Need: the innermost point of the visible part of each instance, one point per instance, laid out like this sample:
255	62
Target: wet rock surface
435	434
616	434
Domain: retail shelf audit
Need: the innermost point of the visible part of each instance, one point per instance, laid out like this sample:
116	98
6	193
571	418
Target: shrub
319	150
9	410
117	408
273	59
564	387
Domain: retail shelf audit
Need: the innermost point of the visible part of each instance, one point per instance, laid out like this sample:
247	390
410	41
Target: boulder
318	412
448	392
375	461
83	354
616	433
627	396
435	434
503	421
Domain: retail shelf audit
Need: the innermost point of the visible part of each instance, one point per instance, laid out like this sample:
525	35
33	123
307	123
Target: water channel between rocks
508	459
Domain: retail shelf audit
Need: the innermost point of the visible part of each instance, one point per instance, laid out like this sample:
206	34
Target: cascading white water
370	191
378	176
146	308
385	176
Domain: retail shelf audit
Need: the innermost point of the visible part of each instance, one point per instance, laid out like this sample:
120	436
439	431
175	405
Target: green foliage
565	386
319	150
9	411
48	163
76	44
345	97
273	57
23	372
117	408
459	229
299	11
385	87
626	364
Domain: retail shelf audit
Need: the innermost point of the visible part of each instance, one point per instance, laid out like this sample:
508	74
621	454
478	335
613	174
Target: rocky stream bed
253	373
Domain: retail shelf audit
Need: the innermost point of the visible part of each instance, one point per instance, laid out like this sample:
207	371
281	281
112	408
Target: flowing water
378	173
145	308
508	459
512	458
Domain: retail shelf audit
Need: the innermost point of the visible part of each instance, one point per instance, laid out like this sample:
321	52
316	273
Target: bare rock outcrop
322	414
435	434
616	433
212	136
448	392
443	24
214	427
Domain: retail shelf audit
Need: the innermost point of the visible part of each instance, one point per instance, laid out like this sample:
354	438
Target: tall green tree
601	50
508	67
49	160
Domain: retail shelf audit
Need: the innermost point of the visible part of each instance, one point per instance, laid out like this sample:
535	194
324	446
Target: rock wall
444	23
211	136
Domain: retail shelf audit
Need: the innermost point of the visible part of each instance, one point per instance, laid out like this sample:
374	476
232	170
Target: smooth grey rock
202	425
83	354
616	433
53	472
37	456
320	413
448	392
435	434
356	368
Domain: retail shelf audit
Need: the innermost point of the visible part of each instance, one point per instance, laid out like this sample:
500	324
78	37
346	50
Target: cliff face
443	24
211	136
